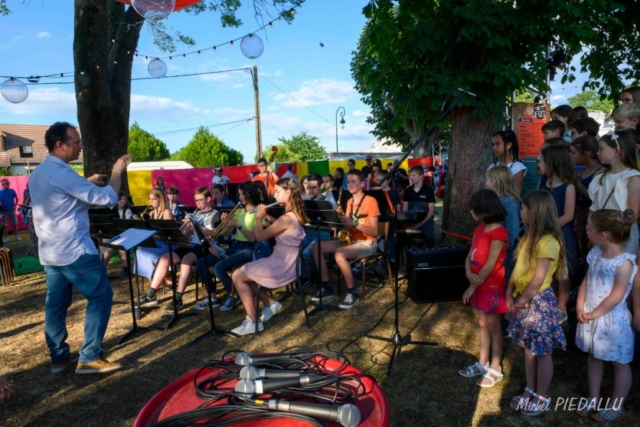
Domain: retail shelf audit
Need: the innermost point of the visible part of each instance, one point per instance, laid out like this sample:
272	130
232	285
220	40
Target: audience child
618	185
630	95
580	112
160	185
302	186
534	324
486	292
626	117
584	152
583	127
562	182
505	152
605	320
565	114
553	129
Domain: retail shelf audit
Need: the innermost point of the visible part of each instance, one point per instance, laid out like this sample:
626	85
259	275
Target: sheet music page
131	237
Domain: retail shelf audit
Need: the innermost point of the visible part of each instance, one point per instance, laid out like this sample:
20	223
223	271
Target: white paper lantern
252	46
157	68
154	10
13	90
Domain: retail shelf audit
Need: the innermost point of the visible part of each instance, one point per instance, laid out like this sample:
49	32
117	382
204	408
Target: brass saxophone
343	233
224	225
141	216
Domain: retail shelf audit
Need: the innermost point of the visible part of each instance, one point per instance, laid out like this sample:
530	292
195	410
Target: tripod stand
32	236
396	338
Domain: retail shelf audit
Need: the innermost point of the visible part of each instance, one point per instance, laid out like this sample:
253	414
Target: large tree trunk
103	79
469	156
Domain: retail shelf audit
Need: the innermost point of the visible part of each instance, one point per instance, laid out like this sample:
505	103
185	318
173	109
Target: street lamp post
342	122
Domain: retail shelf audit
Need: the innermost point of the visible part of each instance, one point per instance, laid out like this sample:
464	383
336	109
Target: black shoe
349	301
326	295
179	305
147	301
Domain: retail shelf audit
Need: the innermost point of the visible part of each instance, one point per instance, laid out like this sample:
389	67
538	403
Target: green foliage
207	150
599	102
299	148
144	147
228	9
524	95
4	10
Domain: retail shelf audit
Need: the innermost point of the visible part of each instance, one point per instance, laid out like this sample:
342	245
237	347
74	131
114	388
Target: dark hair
559	165
417	169
616	223
588	125
431	168
586	145
262	160
122	194
341	170
580	112
553	125
290	167
389	164
252	192
56	132
565	111
203	191
219	187
351	161
377	162
509	137
296	205
262	189
626	143
315	177
329	176
356	172
634	91
487	205
158	179
173	190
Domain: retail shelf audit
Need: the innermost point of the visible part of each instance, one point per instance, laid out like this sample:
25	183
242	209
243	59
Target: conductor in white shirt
60	199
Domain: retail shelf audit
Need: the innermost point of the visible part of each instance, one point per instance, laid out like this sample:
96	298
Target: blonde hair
503	182
628	111
295	204
543	220
162	205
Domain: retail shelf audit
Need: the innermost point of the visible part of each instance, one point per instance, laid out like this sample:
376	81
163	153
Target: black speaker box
436	274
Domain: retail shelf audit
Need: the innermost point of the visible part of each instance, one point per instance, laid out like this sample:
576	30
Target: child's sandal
490	378
589	408
603	416
474	370
520	402
534	409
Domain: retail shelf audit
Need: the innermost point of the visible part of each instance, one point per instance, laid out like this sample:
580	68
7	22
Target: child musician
361	218
420	197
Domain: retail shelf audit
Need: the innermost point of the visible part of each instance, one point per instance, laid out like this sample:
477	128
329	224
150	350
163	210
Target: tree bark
103	79
469	157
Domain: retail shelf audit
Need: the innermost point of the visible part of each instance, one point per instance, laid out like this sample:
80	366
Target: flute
254	210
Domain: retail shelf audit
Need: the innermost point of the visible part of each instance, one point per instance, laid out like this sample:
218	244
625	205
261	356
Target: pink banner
18	183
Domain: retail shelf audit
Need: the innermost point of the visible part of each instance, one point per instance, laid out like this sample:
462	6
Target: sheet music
131	238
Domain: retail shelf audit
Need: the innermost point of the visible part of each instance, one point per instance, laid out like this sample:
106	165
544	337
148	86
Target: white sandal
474	370
492	376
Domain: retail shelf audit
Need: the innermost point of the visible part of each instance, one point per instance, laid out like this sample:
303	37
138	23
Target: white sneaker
268	312
18	238
248	327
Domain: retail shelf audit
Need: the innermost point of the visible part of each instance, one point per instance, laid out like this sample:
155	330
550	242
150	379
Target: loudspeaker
436	274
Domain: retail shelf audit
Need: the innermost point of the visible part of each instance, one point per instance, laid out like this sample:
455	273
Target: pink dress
280	268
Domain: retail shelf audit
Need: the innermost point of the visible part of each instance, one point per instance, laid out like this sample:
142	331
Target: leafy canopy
207	150
144	147
299	148
598	104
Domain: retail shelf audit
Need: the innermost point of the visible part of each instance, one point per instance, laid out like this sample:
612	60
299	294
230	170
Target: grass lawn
424	388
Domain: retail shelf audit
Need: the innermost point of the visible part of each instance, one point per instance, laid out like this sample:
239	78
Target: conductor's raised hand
98	179
122	163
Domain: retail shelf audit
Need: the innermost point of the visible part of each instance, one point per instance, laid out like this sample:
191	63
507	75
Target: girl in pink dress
280	268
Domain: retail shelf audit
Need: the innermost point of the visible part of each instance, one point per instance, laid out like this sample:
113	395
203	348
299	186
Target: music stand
206	244
32	235
169	232
325	216
118	243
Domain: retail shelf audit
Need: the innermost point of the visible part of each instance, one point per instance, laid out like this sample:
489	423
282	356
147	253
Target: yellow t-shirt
547	247
247	221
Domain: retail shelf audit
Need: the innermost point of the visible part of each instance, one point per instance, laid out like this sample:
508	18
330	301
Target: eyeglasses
198	200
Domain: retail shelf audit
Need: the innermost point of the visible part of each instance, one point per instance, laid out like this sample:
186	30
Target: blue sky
38	40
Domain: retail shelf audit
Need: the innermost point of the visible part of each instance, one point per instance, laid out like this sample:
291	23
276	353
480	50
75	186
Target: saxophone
343	233
141	216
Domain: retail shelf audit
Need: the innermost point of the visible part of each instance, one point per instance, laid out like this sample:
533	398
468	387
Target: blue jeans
239	253
307	253
89	275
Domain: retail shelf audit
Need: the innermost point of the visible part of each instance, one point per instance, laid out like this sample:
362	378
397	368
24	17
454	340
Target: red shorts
491	302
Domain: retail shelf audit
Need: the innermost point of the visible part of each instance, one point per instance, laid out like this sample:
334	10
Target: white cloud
319	92
278	73
359	113
556	97
165	108
43	35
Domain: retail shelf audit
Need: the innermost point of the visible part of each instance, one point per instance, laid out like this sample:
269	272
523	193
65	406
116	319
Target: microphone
249	387
347	415
253	373
246	359
466	92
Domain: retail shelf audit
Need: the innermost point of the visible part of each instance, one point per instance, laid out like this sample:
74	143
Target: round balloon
13	90
154	10
179	4
157	68
252	46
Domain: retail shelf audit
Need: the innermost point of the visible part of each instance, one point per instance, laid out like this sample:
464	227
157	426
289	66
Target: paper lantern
178	4
157	68
13	90
252	46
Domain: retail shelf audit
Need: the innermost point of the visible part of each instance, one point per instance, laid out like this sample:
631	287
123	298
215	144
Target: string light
231	42
270	24
215	49
198	53
170	58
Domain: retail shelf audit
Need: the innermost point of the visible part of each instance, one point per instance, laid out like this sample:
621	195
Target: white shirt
224	180
60	199
514	167
289	174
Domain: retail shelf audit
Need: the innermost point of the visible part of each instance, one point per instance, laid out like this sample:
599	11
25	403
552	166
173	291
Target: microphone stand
396	339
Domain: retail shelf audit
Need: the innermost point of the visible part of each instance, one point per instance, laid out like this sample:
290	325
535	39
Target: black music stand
206	244
169	232
115	244
325	216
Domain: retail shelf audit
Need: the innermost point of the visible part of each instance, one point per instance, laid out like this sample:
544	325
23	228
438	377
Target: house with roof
22	148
